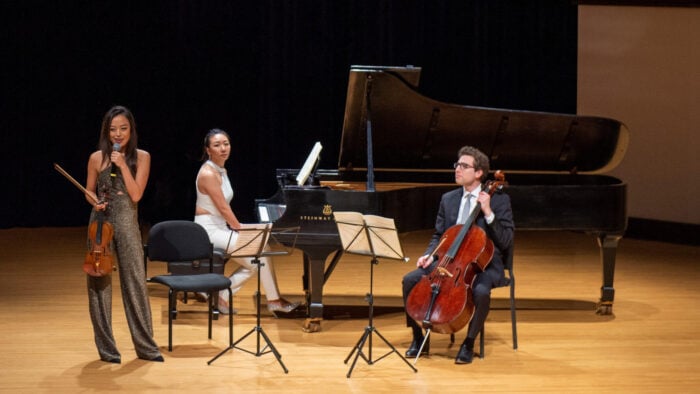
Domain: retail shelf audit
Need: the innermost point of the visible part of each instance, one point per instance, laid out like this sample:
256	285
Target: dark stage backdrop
272	73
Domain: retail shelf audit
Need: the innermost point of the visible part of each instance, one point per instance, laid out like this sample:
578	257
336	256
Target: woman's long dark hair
105	145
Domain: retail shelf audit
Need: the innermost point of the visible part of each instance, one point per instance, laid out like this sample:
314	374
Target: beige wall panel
641	65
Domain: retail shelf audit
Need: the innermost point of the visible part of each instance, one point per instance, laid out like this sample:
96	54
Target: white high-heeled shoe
281	305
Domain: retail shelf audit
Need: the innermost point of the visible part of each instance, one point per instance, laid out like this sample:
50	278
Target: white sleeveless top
204	200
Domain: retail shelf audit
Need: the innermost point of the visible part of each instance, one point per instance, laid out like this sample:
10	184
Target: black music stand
253	240
374	236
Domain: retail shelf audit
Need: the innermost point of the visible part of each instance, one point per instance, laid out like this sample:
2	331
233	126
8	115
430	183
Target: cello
442	300
98	259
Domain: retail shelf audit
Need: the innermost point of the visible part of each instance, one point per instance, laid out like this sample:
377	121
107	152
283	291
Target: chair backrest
178	240
508	259
507	256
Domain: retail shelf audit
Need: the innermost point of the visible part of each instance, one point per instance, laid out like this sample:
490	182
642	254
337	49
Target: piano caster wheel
312	325
604	308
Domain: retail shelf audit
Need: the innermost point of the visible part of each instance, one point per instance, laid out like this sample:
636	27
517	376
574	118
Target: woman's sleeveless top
204	200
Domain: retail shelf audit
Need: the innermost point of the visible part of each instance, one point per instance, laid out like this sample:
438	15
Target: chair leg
512	314
211	313
482	349
230	318
172	299
215	305
173	306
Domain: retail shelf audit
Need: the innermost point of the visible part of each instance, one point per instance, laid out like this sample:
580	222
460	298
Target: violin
98	260
442	301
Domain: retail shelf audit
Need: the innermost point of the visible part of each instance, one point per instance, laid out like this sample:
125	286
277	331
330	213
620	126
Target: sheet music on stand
380	240
277	248
258	240
251	241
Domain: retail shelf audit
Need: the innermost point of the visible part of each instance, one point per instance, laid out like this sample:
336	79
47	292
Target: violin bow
74	182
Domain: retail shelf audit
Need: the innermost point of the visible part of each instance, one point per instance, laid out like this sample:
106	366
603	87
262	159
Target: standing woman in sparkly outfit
121	194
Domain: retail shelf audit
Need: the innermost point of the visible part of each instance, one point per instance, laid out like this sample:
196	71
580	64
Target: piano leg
608	249
315	276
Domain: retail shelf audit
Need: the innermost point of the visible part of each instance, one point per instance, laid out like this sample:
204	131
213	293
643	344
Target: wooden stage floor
649	344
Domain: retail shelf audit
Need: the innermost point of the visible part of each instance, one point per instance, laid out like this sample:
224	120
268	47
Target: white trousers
223	238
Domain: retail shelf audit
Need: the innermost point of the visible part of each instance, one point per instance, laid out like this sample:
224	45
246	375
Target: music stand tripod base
258	330
375	239
367	335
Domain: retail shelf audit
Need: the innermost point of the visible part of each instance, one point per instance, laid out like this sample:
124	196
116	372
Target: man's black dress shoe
115	360
415	346
465	356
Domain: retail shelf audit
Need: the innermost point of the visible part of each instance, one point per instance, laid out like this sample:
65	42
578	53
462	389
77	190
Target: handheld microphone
113	170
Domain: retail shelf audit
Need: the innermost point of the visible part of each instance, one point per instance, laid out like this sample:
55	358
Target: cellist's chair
509	281
181	240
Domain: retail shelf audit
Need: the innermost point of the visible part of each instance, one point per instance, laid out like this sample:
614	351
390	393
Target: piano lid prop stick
370	159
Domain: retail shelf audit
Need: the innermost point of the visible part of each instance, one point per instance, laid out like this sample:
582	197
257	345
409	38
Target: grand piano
395	159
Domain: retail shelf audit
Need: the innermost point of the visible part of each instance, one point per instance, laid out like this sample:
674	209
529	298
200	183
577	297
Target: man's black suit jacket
500	231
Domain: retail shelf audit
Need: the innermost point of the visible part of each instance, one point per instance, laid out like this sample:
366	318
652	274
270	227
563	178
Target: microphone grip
114	170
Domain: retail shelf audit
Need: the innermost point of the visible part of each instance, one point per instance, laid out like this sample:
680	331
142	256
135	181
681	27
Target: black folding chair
186	241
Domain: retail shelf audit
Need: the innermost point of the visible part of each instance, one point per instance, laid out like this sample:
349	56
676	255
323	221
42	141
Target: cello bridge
443	272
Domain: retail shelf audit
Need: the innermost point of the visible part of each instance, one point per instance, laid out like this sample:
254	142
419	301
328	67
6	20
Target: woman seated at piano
213	212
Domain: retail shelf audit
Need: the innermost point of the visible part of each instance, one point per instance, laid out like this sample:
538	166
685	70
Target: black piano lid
413	132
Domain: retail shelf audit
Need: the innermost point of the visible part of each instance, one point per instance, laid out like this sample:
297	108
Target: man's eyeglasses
463	166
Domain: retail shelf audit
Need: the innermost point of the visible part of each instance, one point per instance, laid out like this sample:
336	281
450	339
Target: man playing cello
495	218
